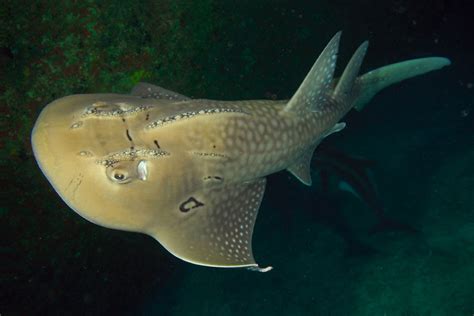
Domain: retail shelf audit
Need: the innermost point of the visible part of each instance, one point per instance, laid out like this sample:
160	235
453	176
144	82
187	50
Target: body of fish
191	172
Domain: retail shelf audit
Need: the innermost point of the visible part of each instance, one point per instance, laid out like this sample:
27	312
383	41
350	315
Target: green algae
210	49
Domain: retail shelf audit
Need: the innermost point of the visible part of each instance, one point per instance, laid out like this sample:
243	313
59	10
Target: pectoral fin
216	226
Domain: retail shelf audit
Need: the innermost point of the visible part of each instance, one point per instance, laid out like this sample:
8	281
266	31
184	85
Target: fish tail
369	84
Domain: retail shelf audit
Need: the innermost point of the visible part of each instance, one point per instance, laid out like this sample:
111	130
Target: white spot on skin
85	153
77	124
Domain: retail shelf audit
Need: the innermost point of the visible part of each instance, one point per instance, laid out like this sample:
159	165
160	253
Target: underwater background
415	139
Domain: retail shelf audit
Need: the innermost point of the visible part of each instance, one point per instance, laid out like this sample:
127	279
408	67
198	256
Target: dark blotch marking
156	143
132	148
190	204
214	178
147	116
123	119
128	136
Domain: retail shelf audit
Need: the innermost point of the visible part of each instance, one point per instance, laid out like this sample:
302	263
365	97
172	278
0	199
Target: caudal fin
369	84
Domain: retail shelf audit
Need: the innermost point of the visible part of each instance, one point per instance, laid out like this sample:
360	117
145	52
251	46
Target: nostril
142	170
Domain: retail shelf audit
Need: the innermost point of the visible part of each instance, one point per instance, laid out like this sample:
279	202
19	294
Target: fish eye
118	175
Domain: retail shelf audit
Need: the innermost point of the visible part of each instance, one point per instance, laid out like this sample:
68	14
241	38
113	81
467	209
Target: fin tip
256	268
447	61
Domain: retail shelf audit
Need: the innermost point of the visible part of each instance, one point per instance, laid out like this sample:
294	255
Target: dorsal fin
148	90
344	87
315	89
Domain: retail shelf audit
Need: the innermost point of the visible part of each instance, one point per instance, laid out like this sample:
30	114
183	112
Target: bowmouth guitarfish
191	172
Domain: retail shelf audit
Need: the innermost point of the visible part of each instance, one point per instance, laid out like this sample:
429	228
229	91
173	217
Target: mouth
142	170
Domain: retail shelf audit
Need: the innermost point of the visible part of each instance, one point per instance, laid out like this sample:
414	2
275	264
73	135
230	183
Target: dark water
327	259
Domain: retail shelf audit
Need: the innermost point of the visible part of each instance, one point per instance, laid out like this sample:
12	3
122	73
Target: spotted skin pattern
191	173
